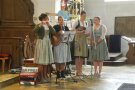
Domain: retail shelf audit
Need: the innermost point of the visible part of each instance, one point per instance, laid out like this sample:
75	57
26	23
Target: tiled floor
111	79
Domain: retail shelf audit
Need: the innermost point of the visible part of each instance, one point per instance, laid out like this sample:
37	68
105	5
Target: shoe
78	74
99	75
45	81
62	74
81	77
95	74
58	74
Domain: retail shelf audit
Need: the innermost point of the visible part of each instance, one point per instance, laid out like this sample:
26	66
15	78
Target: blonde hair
98	17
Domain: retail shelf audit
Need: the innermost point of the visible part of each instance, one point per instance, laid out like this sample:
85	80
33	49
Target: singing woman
62	50
99	46
80	45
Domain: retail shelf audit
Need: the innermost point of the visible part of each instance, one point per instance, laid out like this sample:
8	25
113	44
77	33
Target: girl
43	50
61	51
99	46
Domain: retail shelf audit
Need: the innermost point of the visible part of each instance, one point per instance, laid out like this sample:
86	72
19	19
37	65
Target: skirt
81	46
100	52
62	53
43	51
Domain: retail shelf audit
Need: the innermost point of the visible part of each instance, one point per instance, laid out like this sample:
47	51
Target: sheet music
68	36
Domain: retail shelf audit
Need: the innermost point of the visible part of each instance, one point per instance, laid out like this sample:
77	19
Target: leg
62	69
58	70
3	65
77	65
80	65
62	66
49	70
100	66
45	72
40	69
57	66
95	63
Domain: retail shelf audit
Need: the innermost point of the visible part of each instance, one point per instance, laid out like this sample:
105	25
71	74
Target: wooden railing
14	47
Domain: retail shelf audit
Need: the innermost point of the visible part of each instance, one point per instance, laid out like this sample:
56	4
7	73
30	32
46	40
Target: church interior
17	44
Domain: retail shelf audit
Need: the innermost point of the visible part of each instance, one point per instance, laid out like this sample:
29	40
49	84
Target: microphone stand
92	34
67	63
92	37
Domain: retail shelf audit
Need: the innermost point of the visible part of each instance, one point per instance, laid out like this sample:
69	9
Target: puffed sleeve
104	31
35	30
57	28
75	25
52	30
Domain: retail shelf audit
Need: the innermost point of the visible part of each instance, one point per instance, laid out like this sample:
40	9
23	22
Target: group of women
46	53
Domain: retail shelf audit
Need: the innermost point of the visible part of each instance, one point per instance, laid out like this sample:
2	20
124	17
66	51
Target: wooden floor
4	77
111	79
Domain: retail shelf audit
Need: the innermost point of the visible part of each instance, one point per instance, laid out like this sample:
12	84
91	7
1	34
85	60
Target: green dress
43	49
100	52
80	44
81	47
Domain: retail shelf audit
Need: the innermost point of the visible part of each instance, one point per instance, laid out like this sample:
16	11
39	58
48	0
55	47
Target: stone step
120	61
115	56
8	79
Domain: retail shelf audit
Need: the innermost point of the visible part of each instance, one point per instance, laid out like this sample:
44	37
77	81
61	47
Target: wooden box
28	75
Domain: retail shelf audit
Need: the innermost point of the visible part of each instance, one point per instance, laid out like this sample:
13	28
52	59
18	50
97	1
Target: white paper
68	36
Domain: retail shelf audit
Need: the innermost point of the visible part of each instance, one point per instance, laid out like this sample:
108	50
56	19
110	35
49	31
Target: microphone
91	21
63	28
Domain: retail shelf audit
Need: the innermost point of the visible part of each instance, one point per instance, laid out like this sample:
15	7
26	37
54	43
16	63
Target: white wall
108	11
42	6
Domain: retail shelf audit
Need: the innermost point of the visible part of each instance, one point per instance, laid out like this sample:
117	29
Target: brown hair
42	16
59	17
83	12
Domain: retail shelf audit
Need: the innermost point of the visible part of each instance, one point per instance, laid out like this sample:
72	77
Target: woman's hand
48	24
99	40
83	31
93	43
60	32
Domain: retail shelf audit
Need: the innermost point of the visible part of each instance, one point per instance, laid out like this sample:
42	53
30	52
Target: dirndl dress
62	53
43	50
100	52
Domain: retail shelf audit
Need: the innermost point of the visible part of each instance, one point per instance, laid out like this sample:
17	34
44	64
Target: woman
80	45
43	50
61	51
99	46
63	12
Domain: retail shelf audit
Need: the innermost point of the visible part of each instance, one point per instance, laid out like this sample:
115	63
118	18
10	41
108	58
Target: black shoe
62	74
58	74
67	72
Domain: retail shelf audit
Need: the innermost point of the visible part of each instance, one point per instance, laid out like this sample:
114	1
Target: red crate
28	78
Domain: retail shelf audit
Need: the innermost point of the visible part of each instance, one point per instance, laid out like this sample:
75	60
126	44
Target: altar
131	53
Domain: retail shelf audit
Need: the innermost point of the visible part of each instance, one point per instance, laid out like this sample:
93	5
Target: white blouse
46	27
104	31
84	24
